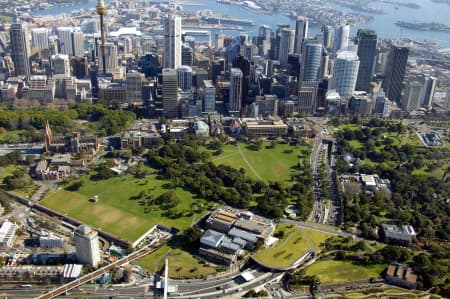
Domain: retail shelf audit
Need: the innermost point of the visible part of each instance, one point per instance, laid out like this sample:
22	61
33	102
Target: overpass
88	277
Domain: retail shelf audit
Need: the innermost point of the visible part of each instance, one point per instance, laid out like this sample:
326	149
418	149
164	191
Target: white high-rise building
234	105
307	97
87	245
170	93
65	40
61	64
345	73
77	43
301	33
184	74
341	37
71	41
112	65
172	42
286	45
39	39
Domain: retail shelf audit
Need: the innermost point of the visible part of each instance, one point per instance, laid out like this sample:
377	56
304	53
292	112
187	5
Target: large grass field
118	211
287	250
268	164
341	271
181	263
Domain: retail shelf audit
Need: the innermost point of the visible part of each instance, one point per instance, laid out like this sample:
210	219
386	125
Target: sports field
267	164
333	271
119	211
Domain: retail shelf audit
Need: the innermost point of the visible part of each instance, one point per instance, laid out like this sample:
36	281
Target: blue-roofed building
249	237
212	238
229	247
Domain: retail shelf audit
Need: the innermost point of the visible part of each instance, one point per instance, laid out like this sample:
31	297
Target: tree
192	235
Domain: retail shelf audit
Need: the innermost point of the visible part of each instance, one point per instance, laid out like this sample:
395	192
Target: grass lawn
116	211
340	271
269	164
317	237
287	250
181	263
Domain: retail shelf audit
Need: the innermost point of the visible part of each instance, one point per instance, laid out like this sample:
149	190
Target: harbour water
384	24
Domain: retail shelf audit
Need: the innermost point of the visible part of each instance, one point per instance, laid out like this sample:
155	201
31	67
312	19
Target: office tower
301	33
382	104
243	64
367	52
395	72
100	9
20	48
110	58
429	86
327	36
324	65
41	89
307	97
65	40
187	55
149	65
134	87
39	39
341	36
286	45
265	32
184	75
411	99
311	59
79	67
87	245
170	93
294	63
61	64
172	42
234	105
345	73
77	42
209	96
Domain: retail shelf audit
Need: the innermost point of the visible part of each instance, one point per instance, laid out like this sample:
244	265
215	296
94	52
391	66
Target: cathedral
69	144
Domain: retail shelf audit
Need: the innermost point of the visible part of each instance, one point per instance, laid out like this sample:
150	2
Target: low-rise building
7	233
394	235
401	275
257	127
48	240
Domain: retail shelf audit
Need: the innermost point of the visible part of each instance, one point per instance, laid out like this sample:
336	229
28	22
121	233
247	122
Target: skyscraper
134	87
77	42
20	47
110	58
367	52
172	42
311	58
234	105
170	93
39	39
429	86
286	45
345	73
184	75
395	72
341	36
301	33
61	64
327	36
87	245
307	97
65	40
